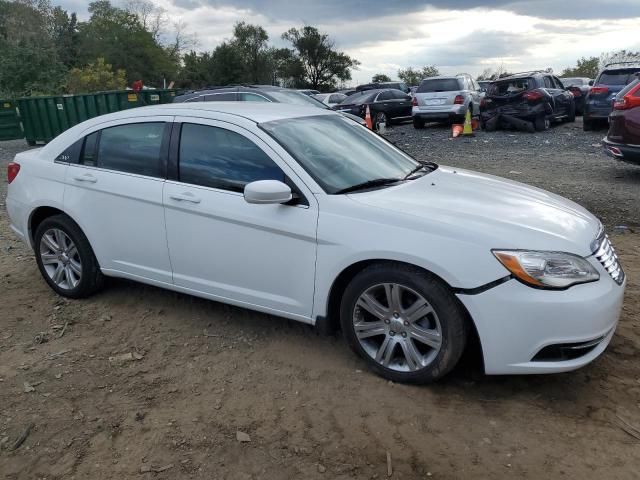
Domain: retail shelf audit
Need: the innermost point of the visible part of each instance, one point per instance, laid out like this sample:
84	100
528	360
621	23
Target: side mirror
591	83
267	192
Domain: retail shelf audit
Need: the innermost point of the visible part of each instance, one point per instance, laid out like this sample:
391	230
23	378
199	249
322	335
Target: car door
564	97
114	192
258	256
559	106
403	103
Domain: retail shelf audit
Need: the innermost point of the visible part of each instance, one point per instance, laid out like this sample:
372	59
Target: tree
585	67
251	43
380	77
95	77
119	37
321	65
617	56
491	74
413	76
29	57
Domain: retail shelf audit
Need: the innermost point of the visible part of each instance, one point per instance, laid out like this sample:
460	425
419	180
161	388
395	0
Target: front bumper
621	151
516	322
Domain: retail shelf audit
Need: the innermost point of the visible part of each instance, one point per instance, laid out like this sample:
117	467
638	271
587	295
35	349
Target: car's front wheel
65	258
404	322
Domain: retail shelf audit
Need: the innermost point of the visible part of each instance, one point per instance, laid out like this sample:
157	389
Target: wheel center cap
397	324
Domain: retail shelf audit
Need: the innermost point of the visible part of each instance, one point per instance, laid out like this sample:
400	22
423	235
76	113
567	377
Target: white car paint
284	259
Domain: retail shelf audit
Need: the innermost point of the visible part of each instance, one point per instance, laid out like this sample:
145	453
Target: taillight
630	100
12	171
599	90
459	100
414	102
532	96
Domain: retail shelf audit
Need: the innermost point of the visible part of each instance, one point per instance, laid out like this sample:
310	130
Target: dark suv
599	101
526	101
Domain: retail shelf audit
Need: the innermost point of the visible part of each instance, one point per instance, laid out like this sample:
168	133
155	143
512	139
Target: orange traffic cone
456	130
468	129
367	119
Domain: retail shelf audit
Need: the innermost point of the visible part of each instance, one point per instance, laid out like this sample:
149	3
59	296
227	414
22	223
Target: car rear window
510	87
439	85
618	77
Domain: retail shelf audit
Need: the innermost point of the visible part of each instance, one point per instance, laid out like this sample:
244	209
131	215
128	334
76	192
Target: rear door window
439	85
132	148
547	82
252	97
384	96
219	158
221	97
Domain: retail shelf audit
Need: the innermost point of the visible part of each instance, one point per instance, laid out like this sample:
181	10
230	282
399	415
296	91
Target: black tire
572	113
587	125
91	279
418	123
31	143
541	123
451	316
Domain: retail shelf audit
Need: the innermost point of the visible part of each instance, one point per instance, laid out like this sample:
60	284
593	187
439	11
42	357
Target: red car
623	139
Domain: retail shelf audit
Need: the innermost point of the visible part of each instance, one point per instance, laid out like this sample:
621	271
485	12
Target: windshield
295	98
618	77
439	85
509	87
338	153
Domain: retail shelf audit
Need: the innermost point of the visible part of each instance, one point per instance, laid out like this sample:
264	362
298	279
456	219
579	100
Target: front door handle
87	177
184	197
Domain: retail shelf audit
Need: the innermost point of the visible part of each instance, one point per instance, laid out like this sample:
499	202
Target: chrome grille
606	255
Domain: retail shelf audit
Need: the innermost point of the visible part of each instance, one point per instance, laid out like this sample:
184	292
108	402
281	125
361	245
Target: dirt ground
211	391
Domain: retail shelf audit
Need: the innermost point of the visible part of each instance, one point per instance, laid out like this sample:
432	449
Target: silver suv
445	99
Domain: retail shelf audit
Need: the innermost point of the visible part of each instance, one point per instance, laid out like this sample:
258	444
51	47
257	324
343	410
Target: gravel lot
204	374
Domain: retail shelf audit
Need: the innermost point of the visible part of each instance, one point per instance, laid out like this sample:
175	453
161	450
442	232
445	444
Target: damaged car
528	101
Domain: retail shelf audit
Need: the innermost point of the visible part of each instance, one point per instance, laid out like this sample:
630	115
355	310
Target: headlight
547	269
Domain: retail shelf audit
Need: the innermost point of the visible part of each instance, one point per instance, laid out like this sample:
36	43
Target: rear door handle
87	177
184	197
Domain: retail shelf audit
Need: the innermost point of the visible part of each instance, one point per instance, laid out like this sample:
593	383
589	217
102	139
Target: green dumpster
10	128
44	118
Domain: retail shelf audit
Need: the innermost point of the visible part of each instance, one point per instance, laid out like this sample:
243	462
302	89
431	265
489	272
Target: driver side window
219	158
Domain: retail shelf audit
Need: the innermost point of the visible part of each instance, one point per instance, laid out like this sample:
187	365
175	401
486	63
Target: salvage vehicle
255	93
579	87
301	213
385	105
330	99
623	139
483	84
445	99
599	102
380	85
526	101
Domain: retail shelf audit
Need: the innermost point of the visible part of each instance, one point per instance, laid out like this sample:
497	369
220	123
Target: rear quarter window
440	85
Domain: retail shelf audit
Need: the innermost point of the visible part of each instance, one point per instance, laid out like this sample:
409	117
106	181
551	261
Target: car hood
488	209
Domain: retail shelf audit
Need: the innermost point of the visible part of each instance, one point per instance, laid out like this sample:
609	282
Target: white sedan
304	214
330	99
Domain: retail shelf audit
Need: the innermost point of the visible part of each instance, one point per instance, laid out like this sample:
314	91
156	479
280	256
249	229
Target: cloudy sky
457	36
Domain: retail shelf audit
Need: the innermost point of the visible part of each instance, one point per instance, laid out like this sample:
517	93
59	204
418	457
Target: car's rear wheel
418	123
404	322
381	117
572	113
65	258
541	123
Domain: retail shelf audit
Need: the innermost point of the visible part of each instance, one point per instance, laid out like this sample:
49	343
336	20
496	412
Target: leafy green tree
380	77
251	43
321	65
413	76
585	67
95	77
119	37
29	58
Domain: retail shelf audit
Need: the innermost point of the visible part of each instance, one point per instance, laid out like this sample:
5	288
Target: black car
385	105
579	87
379	85
599	102
527	101
253	93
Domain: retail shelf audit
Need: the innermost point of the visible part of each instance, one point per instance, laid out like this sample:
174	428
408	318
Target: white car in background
330	99
302	213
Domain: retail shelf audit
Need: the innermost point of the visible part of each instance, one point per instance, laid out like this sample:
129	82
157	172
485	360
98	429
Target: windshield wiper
423	166
377	182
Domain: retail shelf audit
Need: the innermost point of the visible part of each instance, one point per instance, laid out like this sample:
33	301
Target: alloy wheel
60	259
397	327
